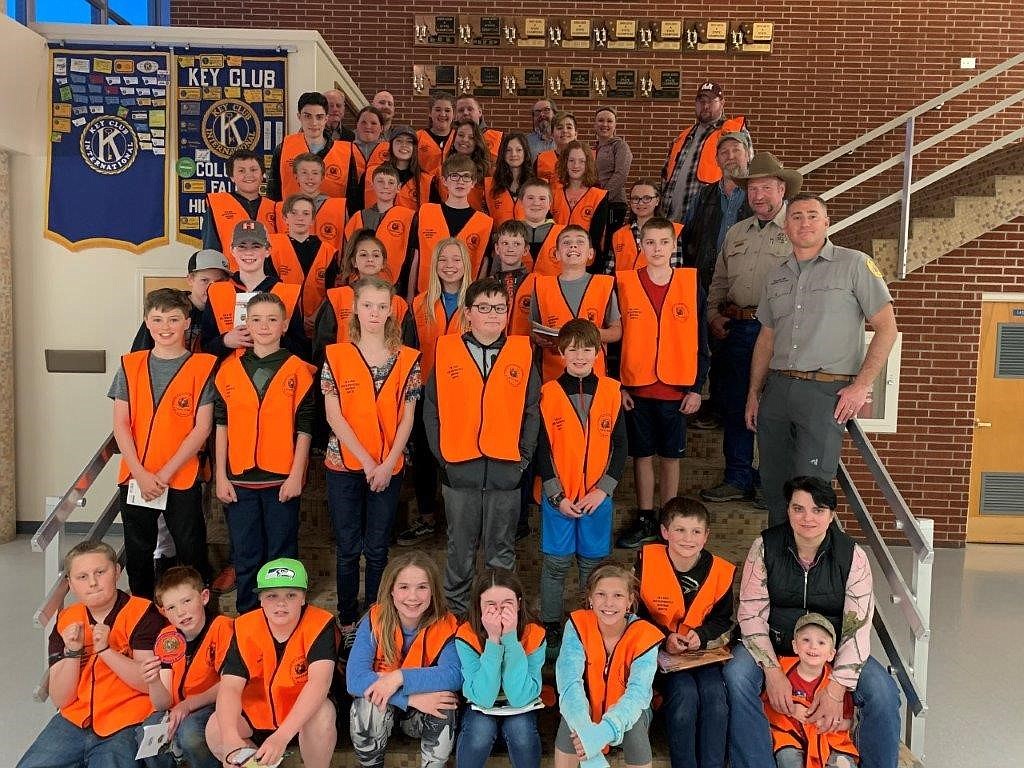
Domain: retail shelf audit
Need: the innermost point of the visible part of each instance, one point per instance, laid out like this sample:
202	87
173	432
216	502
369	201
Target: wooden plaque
435	30
527	82
701	35
622	34
479	81
751	36
569	33
428	79
569	82
524	31
660	34
480	31
661	84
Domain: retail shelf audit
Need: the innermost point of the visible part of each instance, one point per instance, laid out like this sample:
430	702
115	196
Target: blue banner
226	100
107	183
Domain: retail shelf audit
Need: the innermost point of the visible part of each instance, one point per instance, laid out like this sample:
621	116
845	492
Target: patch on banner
229	126
873	268
109	145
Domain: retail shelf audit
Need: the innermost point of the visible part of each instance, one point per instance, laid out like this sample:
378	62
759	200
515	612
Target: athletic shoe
418	531
553	637
348	639
224	582
644	531
726	492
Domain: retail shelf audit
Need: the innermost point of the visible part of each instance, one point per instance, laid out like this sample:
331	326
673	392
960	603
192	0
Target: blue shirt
731	205
450	302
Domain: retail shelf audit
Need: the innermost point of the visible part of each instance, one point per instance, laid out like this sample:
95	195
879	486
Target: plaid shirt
683	185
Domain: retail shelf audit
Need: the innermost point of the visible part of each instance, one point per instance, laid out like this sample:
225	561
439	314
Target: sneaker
224	582
418	531
348	639
553	637
726	492
758	500
644	531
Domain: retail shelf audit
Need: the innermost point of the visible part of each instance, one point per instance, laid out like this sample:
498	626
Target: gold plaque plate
573	34
479	31
700	35
660	34
524	32
751	36
435	30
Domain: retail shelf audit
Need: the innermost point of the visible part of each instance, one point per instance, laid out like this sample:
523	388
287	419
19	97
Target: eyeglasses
643	199
467	177
486	309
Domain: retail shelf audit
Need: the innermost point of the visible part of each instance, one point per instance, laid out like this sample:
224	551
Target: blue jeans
62	744
362	522
189	740
735	352
262	529
479	732
696	716
750	741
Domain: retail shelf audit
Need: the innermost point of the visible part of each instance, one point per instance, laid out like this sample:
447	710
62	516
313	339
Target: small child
404	666
512	264
502	653
580	459
276	676
184	676
796	738
604	673
687	593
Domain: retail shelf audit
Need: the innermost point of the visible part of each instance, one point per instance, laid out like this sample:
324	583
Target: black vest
792	592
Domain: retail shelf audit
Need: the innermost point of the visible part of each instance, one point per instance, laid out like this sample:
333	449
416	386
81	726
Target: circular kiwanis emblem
182	404
333	171
291	384
588	211
329	231
680	311
396	228
473	241
230	125
109	145
514	375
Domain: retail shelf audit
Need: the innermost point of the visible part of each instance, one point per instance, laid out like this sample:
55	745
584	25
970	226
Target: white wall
90	299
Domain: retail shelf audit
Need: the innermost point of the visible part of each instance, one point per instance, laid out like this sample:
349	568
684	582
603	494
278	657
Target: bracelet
73	654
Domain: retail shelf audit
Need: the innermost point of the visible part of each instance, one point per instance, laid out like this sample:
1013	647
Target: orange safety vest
425	648
362	163
533	637
605	678
626	251
554	312
394	231
313	283
789	732
221	297
501	206
261	431
412	194
481	418
342	301
158	429
227	212
545	262
580	451
373	415
429	334
520	319
663	597
190	677
336	166
546	162
274	684
581	214
708	171
430	153
475	198
103	701
433	229
658	348
328	220
492	138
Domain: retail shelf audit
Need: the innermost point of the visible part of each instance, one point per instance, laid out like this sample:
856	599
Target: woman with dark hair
467	140
512	168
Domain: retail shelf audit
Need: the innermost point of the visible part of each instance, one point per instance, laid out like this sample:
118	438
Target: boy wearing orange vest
225	209
329	213
276	676
392	224
163	411
96	651
581	455
664	361
184	675
264	417
541	229
480	413
509	254
687	593
797	741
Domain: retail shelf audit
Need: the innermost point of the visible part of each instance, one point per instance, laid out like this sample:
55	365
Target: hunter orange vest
424	650
261	432
533	637
582	213
481	418
708	171
554	312
605	678
545	262
580	452
661	594
190	677
520	318
342	300
227	212
275	684
102	700
328	220
221	297
658	348
501	206
475	198
429	334
337	165
313	283
374	416
158	429
412	194
394	231
545	165
433	229
362	163
430	153
626	252
492	138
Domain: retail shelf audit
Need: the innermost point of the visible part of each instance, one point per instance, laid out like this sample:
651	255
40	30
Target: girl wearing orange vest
576	198
403	665
501	652
434	139
467	141
644	204
687	592
605	671
512	167
413	183
563	131
371	385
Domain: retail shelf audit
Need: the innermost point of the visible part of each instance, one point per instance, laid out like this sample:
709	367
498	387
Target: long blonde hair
434	283
392	332
389	620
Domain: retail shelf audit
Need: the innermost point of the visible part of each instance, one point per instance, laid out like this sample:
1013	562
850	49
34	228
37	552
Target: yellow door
995	510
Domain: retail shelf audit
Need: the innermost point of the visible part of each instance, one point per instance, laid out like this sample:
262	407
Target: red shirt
657	390
804	689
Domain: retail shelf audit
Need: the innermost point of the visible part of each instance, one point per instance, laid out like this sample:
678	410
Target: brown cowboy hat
766	165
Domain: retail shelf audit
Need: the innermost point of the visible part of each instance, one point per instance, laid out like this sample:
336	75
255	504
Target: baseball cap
741	136
207	259
403	130
709	88
817	620
249	231
282	572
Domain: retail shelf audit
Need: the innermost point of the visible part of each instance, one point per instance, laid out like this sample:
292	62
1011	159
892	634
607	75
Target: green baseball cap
283	572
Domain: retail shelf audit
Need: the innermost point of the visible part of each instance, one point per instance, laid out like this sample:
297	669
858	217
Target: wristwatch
557	499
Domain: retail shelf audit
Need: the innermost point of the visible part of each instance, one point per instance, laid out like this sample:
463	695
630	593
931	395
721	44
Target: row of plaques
547	82
687	35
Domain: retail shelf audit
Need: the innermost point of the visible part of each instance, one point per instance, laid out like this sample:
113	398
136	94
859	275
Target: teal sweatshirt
503	667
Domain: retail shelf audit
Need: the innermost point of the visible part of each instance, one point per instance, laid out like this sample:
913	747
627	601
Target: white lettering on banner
199	76
219	185
197	205
212	170
257	78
